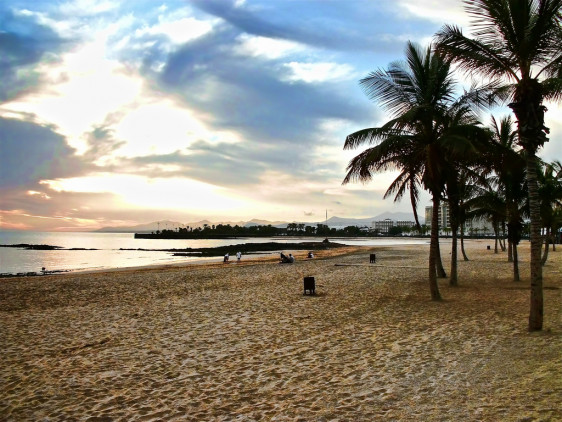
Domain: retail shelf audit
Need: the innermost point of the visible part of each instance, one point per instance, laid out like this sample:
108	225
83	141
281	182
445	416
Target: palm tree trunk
515	264
453	280
462	243
438	262
502	244
546	246
502	239
509	238
433	251
536	311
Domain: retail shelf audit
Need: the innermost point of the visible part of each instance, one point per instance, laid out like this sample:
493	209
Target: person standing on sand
226	257
238	255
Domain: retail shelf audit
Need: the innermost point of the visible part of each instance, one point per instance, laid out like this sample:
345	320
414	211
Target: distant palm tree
466	188
464	166
427	122
550	191
517	41
509	168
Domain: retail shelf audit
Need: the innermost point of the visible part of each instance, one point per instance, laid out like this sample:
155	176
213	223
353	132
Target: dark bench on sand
309	285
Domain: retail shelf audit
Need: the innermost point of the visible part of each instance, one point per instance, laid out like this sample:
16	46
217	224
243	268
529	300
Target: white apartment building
383	226
479	225
443	215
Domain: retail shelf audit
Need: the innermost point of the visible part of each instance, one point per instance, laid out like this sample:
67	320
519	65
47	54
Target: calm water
108	255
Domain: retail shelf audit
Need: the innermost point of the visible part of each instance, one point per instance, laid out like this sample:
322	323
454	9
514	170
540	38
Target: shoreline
210	254
240	341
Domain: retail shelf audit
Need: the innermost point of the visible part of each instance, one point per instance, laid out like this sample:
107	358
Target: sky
116	112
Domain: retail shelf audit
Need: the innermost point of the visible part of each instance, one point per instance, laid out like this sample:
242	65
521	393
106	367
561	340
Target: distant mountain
337	222
256	222
398	216
141	228
171	225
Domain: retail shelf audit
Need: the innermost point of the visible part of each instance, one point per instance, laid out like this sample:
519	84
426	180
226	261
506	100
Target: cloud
318	24
249	101
24	43
101	143
453	9
252	95
31	152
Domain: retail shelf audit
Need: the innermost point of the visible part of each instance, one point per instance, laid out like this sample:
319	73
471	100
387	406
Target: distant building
407	224
443	217
477	225
383	226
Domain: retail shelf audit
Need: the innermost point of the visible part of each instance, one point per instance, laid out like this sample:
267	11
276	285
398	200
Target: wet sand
240	341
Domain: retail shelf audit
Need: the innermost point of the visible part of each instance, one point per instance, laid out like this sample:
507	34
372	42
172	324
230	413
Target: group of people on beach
291	259
287	259
238	256
284	258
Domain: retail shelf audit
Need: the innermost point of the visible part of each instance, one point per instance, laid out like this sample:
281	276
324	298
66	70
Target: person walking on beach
238	255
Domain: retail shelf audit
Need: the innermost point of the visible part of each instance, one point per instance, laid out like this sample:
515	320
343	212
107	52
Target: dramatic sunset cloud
117	112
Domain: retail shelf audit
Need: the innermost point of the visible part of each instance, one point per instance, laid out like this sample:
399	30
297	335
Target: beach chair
309	285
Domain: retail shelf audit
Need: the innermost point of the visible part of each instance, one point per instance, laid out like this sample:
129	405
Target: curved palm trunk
502	238
433	251
515	263
465	257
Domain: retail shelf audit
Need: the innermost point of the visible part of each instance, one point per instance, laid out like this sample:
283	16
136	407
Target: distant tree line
292	229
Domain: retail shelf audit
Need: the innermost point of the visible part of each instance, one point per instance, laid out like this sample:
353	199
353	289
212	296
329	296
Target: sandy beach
240	341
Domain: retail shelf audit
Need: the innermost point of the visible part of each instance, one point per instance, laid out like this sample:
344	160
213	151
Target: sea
109	249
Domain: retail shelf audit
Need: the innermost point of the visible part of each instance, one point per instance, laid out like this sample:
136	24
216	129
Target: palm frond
474	56
552	89
371	135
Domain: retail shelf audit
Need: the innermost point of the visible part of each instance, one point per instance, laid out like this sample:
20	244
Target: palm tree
502	196
419	95
550	191
508	165
461	162
517	41
469	184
